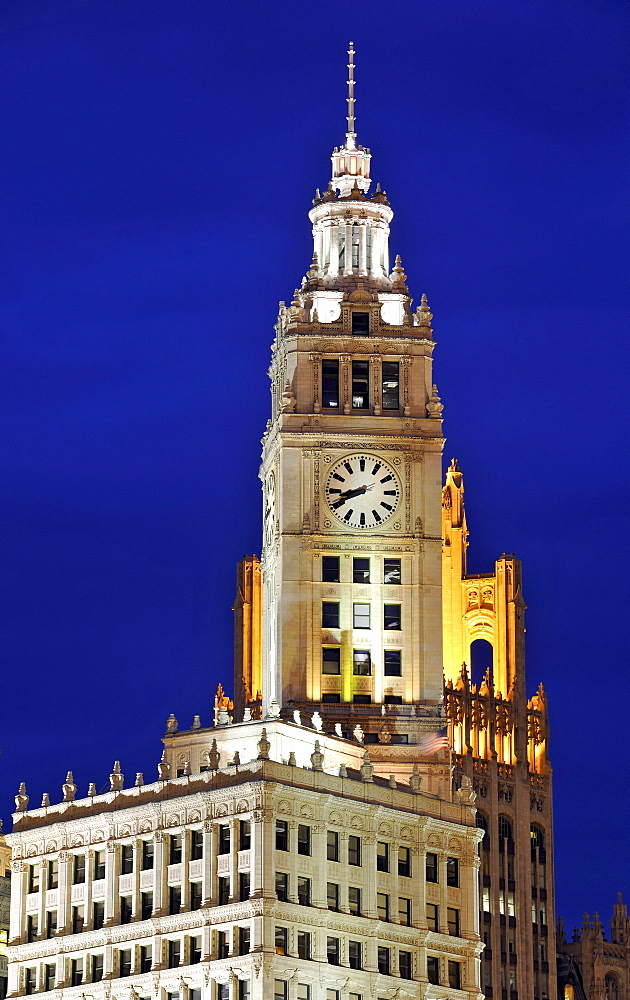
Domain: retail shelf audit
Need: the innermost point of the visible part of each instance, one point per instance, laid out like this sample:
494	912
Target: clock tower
351	472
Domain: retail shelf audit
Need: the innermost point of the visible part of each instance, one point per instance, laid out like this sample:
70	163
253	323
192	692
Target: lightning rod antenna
350	98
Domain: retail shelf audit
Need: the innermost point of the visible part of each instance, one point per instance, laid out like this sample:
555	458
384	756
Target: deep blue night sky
157	168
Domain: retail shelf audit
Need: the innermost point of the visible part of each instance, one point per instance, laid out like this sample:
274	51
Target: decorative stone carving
288	402
69	788
116	778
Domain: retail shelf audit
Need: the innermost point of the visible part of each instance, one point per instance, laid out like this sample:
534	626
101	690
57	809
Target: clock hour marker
334	490
362	465
376	515
338	477
338	503
348	515
388	493
387	506
386	479
376	468
347	466
362	520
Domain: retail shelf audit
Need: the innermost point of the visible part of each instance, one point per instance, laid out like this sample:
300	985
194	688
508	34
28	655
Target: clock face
269	516
362	491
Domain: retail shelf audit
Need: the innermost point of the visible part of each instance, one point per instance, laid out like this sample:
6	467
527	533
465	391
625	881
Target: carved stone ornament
288	402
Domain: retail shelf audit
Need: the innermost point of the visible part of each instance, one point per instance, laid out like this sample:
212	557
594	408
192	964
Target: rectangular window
303	991
304	890
33	878
282	835
391	385
384	963
146	958
433	970
282	941
362	699
53	874
330	698
392	663
243	990
125	909
433	917
126	859
382	856
360	385
148	854
222	944
243	885
97	968
282	886
304	944
175	849
452	918
98	914
330	569
78	875
146	904
223	992
404	911
30	981
32	926
331	660
280	990
51	923
330	614
452	871
332	845
361	663
360	615
224	890
99	865
355	956
431	867
405	965
304	839
244	938
454	975
391	571
330	384
124	962
76	971
196	845
332	896
360	570
77	919
332	950
174	953
354	850
391	617
194	949
224	839
195	895
360	321
404	862
174	898
244	835
354	900
382	906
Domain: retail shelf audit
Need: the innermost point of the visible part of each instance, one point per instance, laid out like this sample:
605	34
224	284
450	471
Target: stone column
368	846
318	850
334	231
363	227
345	389
136	906
160	874
41	913
347	267
111	884
63	893
207	892
185	882
377	383
87	896
18	897
234	881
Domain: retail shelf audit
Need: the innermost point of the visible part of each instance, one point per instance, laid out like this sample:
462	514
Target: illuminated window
282	940
361	616
353	164
391	385
361	663
391	571
360	385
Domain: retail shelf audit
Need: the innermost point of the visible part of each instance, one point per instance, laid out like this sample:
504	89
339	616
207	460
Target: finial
139	782
264	746
213	757
116	778
196	722
69	788
45	800
317	758
92	789
21	799
164	767
366	768
350	98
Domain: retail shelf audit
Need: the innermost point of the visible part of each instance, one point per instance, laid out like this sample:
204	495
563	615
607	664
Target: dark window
99	864
382	856
394	699
331	699
51	923
332	896
98	914
393	664
360	615
79	869
282	835
332	950
32	925
330	384
361	663
404	911
304	944
146	958
174	949
244	937
330	614
361	699
243	989
432	868
195	895
331	660
391	385
76	971
354	900
384	963
97	968
332	845
360	385
125	909
282	886
124	962
454	975
223	991
245	835
391	617
174	898
146	903
537	836
354	850
50	974
196	845
433	917
360	322
33	878
175	849
382	906
243	886
404	964
355	957
452	871
404	862
452	917
126	859
30	981
148	852
222	945
304	890
505	828
282	941
224	839
433	970
53	874
360	570
330	569
224	890
391	571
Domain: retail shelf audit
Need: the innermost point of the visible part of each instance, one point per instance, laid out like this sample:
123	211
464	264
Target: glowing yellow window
353	164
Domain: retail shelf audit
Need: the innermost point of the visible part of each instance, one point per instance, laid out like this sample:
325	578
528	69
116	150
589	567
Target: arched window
612	987
505	828
482	821
481	654
537	836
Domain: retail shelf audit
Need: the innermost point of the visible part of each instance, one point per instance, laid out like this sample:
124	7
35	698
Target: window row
354	953
362	616
390	385
362	662
361	570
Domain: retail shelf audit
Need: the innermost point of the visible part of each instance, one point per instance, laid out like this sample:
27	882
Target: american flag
433	742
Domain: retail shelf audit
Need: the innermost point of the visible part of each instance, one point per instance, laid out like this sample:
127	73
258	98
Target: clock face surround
362	491
269	516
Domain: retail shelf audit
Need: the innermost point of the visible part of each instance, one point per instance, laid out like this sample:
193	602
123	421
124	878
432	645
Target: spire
350	134
351	163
